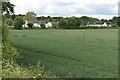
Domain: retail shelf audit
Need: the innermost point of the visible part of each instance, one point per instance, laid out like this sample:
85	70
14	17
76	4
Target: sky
102	9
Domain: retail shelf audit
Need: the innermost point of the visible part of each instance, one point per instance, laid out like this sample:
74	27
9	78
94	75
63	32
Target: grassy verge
12	70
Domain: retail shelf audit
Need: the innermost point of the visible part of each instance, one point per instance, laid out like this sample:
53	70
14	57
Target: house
36	24
48	25
97	24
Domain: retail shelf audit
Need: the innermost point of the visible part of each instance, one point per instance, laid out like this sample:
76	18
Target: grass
70	53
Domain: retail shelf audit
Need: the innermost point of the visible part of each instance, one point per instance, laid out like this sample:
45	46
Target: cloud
67	7
99	9
62	3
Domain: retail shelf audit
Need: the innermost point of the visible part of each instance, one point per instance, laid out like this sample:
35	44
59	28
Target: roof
96	23
35	21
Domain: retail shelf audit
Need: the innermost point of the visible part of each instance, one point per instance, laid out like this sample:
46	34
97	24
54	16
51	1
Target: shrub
30	25
9	52
9	22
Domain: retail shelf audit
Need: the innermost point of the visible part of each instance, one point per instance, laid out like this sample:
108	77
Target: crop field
90	53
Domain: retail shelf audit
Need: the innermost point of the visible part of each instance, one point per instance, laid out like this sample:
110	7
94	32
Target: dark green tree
118	23
7	8
42	25
30	25
115	20
104	20
63	24
85	20
74	23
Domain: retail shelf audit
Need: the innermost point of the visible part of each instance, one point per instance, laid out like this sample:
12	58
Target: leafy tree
42	25
85	20
109	21
93	19
71	23
103	20
59	18
18	22
63	24
30	16
41	18
13	16
9	22
115	20
48	17
118	23
7	8
9	52
78	22
30	25
74	23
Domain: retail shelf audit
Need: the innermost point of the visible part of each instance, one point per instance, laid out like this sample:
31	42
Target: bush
9	22
9	52
30	25
18	22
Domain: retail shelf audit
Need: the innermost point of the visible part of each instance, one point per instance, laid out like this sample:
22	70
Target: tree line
58	22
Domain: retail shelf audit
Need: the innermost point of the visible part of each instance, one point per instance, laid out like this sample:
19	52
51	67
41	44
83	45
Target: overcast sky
105	9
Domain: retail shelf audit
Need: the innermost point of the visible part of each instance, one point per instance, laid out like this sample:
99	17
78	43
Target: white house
36	24
97	24
48	25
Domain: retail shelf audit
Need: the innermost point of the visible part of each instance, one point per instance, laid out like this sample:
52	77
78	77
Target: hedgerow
10	68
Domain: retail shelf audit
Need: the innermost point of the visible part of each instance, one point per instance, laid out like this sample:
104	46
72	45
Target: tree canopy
30	16
18	22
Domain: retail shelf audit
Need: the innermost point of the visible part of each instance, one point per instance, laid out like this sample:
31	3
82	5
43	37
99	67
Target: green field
90	53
